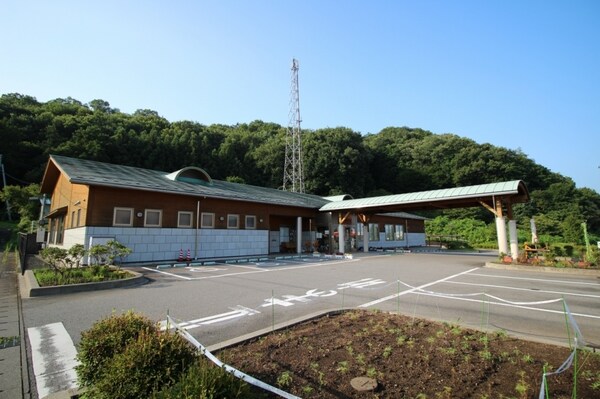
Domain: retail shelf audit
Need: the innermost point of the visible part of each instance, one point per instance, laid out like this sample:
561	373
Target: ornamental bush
153	361
105	339
204	380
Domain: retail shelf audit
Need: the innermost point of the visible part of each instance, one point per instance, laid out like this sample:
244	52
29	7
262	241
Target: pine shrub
105	339
153	361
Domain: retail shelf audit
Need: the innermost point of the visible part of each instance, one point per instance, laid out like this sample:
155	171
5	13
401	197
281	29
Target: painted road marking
523	289
365	282
54	358
290	299
238	311
204	269
253	269
167	273
387	298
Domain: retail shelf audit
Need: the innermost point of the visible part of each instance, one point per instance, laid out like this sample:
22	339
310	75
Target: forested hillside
337	160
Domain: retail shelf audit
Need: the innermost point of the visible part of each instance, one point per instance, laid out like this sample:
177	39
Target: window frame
183	226
250	217
399	232
118	209
390	231
373	231
211	215
237	221
146	212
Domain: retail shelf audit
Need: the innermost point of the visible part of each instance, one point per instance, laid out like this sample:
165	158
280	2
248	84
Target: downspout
197	227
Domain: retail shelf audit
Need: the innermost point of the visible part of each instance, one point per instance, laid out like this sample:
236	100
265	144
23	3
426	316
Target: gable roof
94	173
436	199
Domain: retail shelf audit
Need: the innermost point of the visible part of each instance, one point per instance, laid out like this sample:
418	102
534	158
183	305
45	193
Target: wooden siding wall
72	196
105	199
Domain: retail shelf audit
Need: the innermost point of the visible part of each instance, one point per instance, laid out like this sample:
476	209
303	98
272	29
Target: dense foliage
337	160
127	356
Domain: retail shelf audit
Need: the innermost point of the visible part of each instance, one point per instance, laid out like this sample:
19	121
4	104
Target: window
72	219
52	228
78	217
123	217
250	222
152	218
207	220
185	219
399	234
60	230
389	232
373	232
360	231
233	221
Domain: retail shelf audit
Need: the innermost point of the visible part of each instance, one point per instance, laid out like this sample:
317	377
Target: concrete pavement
14	374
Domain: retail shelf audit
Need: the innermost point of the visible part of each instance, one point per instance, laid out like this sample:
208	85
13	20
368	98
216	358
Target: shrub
153	361
205	380
105	339
54	257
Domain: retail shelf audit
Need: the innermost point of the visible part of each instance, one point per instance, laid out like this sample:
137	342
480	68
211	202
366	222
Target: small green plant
360	359
387	352
485	355
307	390
284	379
527	358
448	351
430	340
371	372
401	340
522	387
342	367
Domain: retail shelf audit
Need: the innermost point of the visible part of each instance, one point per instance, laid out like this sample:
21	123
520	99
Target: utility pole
4	182
293	170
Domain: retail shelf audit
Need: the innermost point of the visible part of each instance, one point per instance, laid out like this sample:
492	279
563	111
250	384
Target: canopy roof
461	197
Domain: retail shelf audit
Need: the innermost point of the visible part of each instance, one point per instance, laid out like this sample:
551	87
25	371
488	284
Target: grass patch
92	274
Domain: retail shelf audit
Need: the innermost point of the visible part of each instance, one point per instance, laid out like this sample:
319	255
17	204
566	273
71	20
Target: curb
544	269
30	287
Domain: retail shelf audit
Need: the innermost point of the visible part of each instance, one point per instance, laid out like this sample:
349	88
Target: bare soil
409	358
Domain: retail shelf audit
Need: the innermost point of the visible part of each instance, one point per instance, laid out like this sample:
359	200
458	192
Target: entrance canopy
487	195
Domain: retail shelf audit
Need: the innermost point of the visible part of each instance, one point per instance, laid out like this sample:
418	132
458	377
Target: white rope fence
235	372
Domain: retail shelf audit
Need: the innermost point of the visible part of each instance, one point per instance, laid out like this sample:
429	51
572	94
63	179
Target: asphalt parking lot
221	301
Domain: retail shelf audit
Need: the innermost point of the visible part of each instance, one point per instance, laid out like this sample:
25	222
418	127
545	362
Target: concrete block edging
31	288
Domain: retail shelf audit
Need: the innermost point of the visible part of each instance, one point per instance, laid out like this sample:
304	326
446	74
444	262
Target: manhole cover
363	384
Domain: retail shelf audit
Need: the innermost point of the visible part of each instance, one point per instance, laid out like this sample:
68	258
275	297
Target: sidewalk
14	375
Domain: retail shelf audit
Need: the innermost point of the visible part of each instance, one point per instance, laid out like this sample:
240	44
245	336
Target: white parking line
254	269
54	358
387	298
167	273
523	289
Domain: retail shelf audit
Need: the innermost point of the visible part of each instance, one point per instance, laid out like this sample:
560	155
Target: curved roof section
191	174
459	197
341	197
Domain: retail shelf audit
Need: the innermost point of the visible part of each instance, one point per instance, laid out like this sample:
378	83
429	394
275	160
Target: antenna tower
293	171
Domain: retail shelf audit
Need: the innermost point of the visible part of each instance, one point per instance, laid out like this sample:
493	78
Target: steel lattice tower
293	170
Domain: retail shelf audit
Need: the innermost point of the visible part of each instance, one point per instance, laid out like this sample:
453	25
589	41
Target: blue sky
516	74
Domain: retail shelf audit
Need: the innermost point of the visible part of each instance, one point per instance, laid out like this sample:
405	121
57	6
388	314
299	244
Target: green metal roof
93	173
468	196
